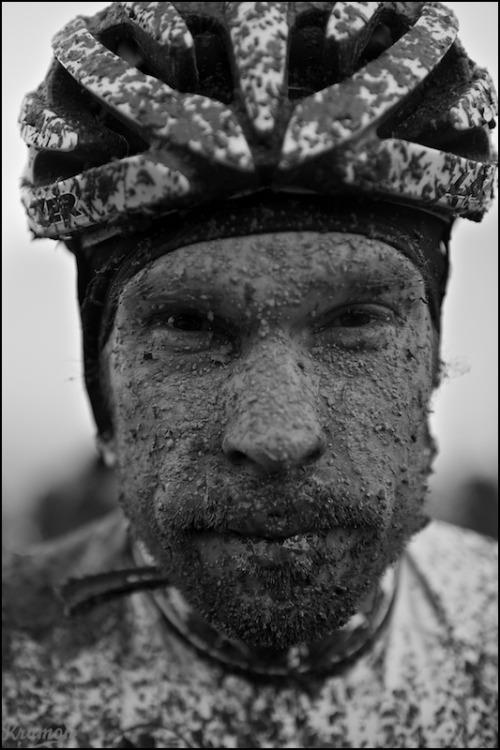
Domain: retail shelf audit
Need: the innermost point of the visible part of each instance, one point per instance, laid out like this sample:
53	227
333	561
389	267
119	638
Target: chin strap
81	594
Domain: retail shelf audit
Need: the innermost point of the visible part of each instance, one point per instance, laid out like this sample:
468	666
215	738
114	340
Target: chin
276	609
281	626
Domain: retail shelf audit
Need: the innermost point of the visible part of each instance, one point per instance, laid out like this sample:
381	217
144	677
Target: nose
274	425
275	452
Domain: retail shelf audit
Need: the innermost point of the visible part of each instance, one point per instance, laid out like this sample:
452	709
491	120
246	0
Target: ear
107	450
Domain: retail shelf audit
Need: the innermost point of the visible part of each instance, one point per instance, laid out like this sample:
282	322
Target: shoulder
31	608
457	557
84	551
444	642
54	664
459	570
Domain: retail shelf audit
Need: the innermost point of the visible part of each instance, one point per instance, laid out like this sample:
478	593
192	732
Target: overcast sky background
48	431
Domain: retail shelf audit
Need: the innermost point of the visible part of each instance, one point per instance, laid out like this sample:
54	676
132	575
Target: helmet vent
472	143
314	65
424	118
119	41
215	78
380	40
306	71
53	167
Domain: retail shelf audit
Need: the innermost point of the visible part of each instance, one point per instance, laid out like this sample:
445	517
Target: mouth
272	548
269	534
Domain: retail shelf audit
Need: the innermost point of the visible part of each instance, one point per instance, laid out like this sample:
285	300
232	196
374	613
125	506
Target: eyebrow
157	286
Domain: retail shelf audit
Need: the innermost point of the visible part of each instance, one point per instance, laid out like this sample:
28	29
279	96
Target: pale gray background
48	429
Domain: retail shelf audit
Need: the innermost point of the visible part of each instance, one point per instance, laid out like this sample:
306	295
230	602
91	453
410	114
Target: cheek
165	416
375	409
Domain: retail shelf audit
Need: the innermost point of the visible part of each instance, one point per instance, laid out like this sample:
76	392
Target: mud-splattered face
270	398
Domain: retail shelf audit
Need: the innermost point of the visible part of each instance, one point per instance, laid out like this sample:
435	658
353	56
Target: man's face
270	398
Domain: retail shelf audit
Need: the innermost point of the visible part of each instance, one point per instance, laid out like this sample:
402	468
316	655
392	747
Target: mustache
226	505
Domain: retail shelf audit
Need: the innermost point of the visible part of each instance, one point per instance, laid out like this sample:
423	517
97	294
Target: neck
326	656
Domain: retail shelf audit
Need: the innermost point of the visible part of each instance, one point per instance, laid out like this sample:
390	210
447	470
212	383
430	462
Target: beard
283	591
287	603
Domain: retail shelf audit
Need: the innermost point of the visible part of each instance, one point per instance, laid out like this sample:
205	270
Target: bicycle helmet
153	110
152	106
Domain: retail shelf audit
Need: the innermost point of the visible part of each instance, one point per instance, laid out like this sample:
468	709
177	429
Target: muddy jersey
120	675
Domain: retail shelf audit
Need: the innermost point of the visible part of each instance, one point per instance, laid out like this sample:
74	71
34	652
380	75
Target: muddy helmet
152	107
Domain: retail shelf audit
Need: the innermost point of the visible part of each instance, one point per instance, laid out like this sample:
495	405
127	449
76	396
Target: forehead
282	259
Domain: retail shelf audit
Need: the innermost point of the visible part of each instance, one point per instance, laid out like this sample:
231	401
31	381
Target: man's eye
356	316
353	319
190	322
358	327
190	332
